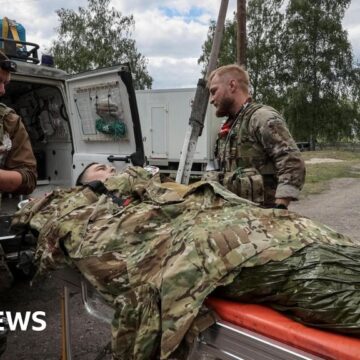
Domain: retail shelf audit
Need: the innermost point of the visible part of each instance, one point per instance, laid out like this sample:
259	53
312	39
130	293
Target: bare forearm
10	180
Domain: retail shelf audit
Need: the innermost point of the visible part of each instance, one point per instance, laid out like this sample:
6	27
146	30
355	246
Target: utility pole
241	33
198	111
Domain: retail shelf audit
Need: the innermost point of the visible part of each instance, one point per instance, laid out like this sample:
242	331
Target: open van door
104	119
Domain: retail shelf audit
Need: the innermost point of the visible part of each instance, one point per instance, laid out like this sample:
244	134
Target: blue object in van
10	29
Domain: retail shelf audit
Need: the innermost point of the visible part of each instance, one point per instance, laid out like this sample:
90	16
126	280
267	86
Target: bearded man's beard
224	107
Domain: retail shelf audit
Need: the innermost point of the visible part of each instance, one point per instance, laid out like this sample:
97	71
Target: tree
98	36
320	88
300	62
227	54
264	30
266	59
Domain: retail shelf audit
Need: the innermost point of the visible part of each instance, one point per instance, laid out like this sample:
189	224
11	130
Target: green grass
318	175
332	154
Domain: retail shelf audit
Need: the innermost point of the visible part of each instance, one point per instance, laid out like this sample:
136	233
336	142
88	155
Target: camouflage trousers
6	277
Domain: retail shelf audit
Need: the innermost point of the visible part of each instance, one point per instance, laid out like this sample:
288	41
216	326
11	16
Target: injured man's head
95	171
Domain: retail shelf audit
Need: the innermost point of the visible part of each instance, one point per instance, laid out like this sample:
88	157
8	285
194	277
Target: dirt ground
339	208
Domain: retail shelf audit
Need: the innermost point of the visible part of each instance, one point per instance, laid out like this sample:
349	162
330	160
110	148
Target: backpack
10	29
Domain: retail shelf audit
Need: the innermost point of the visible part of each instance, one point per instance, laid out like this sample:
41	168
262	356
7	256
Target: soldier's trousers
6	277
318	286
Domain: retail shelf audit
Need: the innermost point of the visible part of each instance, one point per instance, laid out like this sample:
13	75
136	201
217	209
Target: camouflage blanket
158	258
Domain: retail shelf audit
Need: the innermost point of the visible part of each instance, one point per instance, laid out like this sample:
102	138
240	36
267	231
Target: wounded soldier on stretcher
156	250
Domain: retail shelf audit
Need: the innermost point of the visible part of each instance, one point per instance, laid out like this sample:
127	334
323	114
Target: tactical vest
5	274
247	169
4	111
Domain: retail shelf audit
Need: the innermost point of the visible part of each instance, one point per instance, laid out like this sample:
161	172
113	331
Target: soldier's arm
10	181
19	173
271	130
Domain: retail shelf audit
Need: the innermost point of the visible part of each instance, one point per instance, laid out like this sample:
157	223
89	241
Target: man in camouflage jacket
256	155
17	162
156	259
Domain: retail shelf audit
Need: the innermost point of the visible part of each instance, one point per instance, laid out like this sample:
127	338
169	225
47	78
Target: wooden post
241	33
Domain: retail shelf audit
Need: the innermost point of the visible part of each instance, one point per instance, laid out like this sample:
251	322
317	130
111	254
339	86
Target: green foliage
98	36
265	60
300	62
264	26
227	52
320	86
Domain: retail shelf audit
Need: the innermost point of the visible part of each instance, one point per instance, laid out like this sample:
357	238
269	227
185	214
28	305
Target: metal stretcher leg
93	303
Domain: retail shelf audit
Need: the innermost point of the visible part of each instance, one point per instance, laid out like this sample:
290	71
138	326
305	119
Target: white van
164	117
59	112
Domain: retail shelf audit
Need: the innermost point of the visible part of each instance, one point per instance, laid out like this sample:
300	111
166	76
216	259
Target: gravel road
339	207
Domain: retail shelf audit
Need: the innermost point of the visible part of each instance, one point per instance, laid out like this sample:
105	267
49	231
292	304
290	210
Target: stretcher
256	332
243	331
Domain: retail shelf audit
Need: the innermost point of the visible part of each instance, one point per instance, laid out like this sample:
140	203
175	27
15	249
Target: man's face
220	96
98	172
4	80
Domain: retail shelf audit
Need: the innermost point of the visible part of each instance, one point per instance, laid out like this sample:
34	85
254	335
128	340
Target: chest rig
245	167
235	148
5	142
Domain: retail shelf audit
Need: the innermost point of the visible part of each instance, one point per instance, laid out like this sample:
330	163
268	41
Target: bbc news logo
22	321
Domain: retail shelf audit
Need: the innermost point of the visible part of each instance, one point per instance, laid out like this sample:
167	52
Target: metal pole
219	30
197	117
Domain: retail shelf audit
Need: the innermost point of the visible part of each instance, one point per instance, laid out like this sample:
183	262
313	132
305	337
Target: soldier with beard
257	158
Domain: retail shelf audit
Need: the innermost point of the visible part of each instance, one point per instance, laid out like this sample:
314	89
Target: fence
355	147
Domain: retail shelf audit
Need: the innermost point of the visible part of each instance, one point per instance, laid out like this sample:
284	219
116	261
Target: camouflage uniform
260	143
15	154
157	259
15	149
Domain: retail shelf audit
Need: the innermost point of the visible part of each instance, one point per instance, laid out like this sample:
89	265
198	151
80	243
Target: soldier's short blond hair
234	71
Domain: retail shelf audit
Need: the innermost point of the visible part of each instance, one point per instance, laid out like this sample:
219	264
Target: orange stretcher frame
275	325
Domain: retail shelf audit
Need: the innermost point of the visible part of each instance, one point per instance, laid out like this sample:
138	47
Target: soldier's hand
282	203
